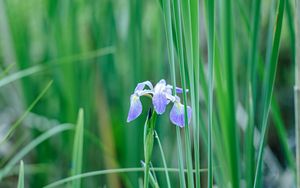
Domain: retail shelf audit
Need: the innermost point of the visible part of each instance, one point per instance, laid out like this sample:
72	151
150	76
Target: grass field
68	73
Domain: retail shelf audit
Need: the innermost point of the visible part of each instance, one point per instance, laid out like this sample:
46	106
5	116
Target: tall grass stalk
231	130
169	34
269	80
183	82
251	91
210	42
297	91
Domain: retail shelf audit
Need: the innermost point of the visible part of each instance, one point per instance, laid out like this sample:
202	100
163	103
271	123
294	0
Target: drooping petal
177	114
135	108
141	86
160	102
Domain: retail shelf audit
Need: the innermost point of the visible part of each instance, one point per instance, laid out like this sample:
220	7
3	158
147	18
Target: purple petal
135	108
177	114
180	90
140	86
160	102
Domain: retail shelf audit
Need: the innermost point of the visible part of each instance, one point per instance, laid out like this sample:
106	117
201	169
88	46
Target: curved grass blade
269	80
21	176
18	122
53	63
109	171
31	146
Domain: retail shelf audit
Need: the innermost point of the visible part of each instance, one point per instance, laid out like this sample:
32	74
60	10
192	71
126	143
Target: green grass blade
183	82
297	91
251	91
21	176
268	88
78	149
169	34
282	134
109	171
210	22
54	63
231	130
18	122
24	151
163	159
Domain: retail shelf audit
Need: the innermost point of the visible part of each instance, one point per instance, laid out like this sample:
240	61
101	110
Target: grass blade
269	80
109	171
169	33
163	159
18	122
297	91
210	22
78	149
21	176
31	146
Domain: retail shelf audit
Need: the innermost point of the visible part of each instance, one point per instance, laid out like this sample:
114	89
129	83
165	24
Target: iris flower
161	96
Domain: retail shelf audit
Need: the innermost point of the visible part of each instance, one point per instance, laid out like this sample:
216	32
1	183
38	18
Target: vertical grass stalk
297	91
210	42
169	34
269	80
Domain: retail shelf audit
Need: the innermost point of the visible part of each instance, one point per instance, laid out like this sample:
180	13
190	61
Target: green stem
148	144
297	91
163	159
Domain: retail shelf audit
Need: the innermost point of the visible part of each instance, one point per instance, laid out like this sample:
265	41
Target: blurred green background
96	51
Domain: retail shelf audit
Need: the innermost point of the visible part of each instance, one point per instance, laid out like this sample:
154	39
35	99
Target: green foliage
234	57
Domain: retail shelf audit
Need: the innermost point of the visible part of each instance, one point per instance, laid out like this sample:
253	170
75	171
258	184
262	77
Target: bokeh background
95	52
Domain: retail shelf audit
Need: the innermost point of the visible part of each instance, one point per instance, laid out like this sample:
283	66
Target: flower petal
135	108
140	86
160	102
160	86
178	89
177	114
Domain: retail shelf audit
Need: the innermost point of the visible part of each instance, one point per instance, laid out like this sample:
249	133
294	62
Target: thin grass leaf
78	149
251	91
24	151
163	159
109	171
21	175
269	80
183	82
54	63
169	33
297	91
19	121
210	4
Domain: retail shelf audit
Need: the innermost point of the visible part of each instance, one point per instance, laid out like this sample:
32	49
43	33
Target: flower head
161	96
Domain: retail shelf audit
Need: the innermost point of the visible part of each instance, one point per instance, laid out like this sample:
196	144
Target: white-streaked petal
135	108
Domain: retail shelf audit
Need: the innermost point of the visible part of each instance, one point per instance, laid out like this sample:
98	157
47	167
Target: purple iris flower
161	96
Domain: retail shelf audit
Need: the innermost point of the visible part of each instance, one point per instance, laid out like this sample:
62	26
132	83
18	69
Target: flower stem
148	143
